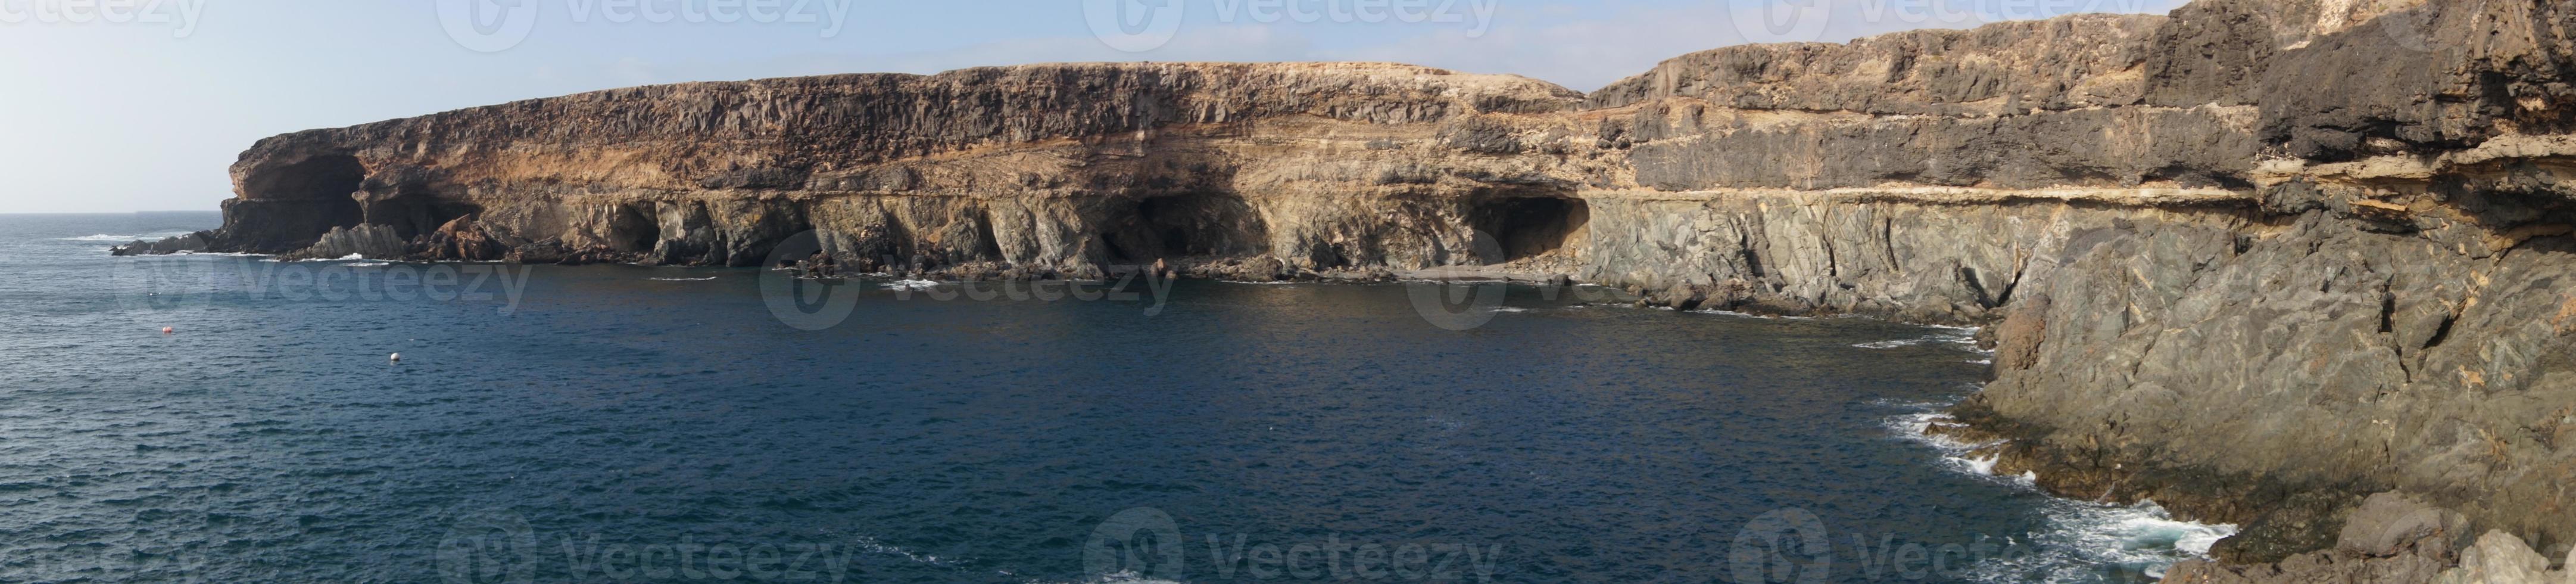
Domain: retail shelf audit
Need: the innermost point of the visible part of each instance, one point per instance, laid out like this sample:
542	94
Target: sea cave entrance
1526	226
1140	231
322	189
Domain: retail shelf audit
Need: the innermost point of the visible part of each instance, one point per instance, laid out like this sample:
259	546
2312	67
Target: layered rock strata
2255	259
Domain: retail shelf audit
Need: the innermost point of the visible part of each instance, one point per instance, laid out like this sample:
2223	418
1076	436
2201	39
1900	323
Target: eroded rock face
1065	167
2254	260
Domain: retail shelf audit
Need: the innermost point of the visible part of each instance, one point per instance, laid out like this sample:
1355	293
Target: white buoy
397	357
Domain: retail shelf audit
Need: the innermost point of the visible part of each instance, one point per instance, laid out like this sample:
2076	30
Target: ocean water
621	423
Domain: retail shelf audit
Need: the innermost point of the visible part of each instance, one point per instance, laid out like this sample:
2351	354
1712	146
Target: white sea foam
1891	344
682	279
217	254
155	236
1129	577
1750	315
1959	337
346	258
370	264
911	285
1511	309
1972	458
2081	538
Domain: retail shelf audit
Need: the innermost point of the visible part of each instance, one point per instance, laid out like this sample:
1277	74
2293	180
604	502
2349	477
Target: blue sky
143	104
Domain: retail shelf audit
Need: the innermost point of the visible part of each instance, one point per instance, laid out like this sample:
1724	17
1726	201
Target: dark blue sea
634	424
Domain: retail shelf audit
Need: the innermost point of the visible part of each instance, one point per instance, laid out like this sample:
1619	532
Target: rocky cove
2296	265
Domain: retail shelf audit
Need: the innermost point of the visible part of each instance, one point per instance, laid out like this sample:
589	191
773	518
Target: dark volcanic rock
365	241
185	243
460	240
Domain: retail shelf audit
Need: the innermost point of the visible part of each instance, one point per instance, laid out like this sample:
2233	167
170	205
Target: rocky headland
2301	265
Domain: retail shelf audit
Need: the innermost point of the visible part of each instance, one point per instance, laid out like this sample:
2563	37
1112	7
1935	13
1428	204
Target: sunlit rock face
2253	260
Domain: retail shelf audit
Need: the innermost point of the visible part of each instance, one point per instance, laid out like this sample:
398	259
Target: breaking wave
155	236
1962	337
2084	541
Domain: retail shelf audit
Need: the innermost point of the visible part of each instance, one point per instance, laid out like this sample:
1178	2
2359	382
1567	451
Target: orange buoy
166	330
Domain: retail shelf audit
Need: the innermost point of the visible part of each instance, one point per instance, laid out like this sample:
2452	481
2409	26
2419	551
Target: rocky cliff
1040	169
2255	259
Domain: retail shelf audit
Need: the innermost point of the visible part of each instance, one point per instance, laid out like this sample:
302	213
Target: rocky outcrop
362	241
1057	167
2389	319
2389	538
2254	260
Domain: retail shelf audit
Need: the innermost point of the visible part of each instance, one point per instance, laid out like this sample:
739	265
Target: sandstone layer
2256	260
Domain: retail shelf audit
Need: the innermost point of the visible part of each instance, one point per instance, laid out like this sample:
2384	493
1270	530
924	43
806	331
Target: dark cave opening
1523	227
633	230
1177	226
322	187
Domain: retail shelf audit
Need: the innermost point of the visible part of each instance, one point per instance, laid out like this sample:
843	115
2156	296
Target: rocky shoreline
2286	264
